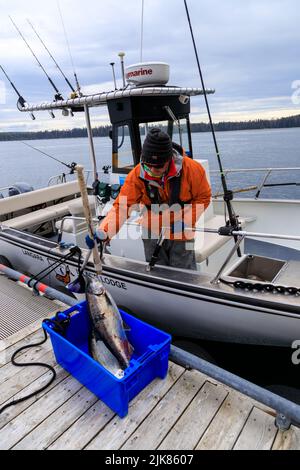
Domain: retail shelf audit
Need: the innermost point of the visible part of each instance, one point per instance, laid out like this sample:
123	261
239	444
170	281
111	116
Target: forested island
103	131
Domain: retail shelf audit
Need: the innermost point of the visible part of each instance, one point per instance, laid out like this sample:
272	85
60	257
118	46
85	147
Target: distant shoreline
103	131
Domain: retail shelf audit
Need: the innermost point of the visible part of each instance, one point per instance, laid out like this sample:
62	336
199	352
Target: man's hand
99	236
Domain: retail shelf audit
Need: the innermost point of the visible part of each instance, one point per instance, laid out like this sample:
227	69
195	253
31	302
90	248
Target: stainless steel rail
102	98
263	183
240	233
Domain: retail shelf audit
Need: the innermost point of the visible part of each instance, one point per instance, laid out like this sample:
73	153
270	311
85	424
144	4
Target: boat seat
20	202
208	243
49	213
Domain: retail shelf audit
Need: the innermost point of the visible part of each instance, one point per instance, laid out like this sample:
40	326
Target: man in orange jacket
171	191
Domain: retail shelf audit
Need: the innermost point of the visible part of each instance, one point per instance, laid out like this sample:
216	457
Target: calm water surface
239	149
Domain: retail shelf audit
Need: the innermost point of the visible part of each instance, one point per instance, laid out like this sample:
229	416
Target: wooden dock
186	411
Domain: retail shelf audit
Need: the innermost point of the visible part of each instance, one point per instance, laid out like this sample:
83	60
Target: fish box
149	360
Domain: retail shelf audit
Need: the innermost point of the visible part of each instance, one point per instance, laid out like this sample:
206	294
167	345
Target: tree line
103	131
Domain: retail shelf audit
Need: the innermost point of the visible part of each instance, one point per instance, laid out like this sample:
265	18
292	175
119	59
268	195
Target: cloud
247	50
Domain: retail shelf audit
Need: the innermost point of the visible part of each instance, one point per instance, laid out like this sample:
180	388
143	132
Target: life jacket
154	196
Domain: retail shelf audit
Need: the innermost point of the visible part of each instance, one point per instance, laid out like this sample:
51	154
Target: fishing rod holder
237	244
228	196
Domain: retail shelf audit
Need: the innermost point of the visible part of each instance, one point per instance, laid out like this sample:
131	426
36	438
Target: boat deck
186	411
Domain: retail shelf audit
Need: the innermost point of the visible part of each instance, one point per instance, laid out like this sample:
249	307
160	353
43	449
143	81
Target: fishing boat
246	297
246	288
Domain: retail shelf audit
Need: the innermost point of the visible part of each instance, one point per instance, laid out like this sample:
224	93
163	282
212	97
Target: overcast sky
249	52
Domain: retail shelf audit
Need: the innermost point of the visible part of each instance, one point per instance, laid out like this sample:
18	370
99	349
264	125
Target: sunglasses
156	165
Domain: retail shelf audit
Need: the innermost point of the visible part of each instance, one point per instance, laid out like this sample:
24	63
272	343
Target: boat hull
181	303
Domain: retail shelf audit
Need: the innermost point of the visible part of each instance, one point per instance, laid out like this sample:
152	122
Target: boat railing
62	178
8	188
74	218
234	233
267	172
238	235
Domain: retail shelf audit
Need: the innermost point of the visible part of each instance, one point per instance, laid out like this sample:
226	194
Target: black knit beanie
157	147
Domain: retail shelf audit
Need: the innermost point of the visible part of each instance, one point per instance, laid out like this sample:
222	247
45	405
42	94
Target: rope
45	272
60	326
47	366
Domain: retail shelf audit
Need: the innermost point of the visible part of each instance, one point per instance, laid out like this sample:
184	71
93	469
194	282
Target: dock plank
157	425
23	424
29	355
25	376
287	440
85	428
10	413
192	424
227	424
5	354
258	433
55	425
118	431
186	410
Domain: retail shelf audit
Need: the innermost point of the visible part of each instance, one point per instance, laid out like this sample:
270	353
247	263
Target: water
239	149
269	367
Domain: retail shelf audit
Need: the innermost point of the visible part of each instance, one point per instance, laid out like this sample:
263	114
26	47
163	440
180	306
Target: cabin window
122	152
177	130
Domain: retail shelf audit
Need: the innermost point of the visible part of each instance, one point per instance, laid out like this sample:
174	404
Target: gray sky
249	52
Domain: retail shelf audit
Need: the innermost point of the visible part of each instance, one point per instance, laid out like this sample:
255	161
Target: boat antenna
142	30
58	95
69	49
51	55
70	166
228	195
21	101
122	55
114	75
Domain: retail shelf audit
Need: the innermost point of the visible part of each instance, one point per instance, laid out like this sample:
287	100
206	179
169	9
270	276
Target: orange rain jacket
195	193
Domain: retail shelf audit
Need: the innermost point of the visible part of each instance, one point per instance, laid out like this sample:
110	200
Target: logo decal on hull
32	255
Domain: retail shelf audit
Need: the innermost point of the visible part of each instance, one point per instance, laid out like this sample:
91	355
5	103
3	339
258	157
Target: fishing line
51	55
69	48
21	101
228	195
70	166
142	30
58	95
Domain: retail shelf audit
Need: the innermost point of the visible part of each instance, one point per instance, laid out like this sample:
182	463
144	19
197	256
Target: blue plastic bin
149	360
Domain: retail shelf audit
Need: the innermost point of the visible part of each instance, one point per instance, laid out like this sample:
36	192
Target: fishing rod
228	195
57	95
21	101
71	166
51	56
